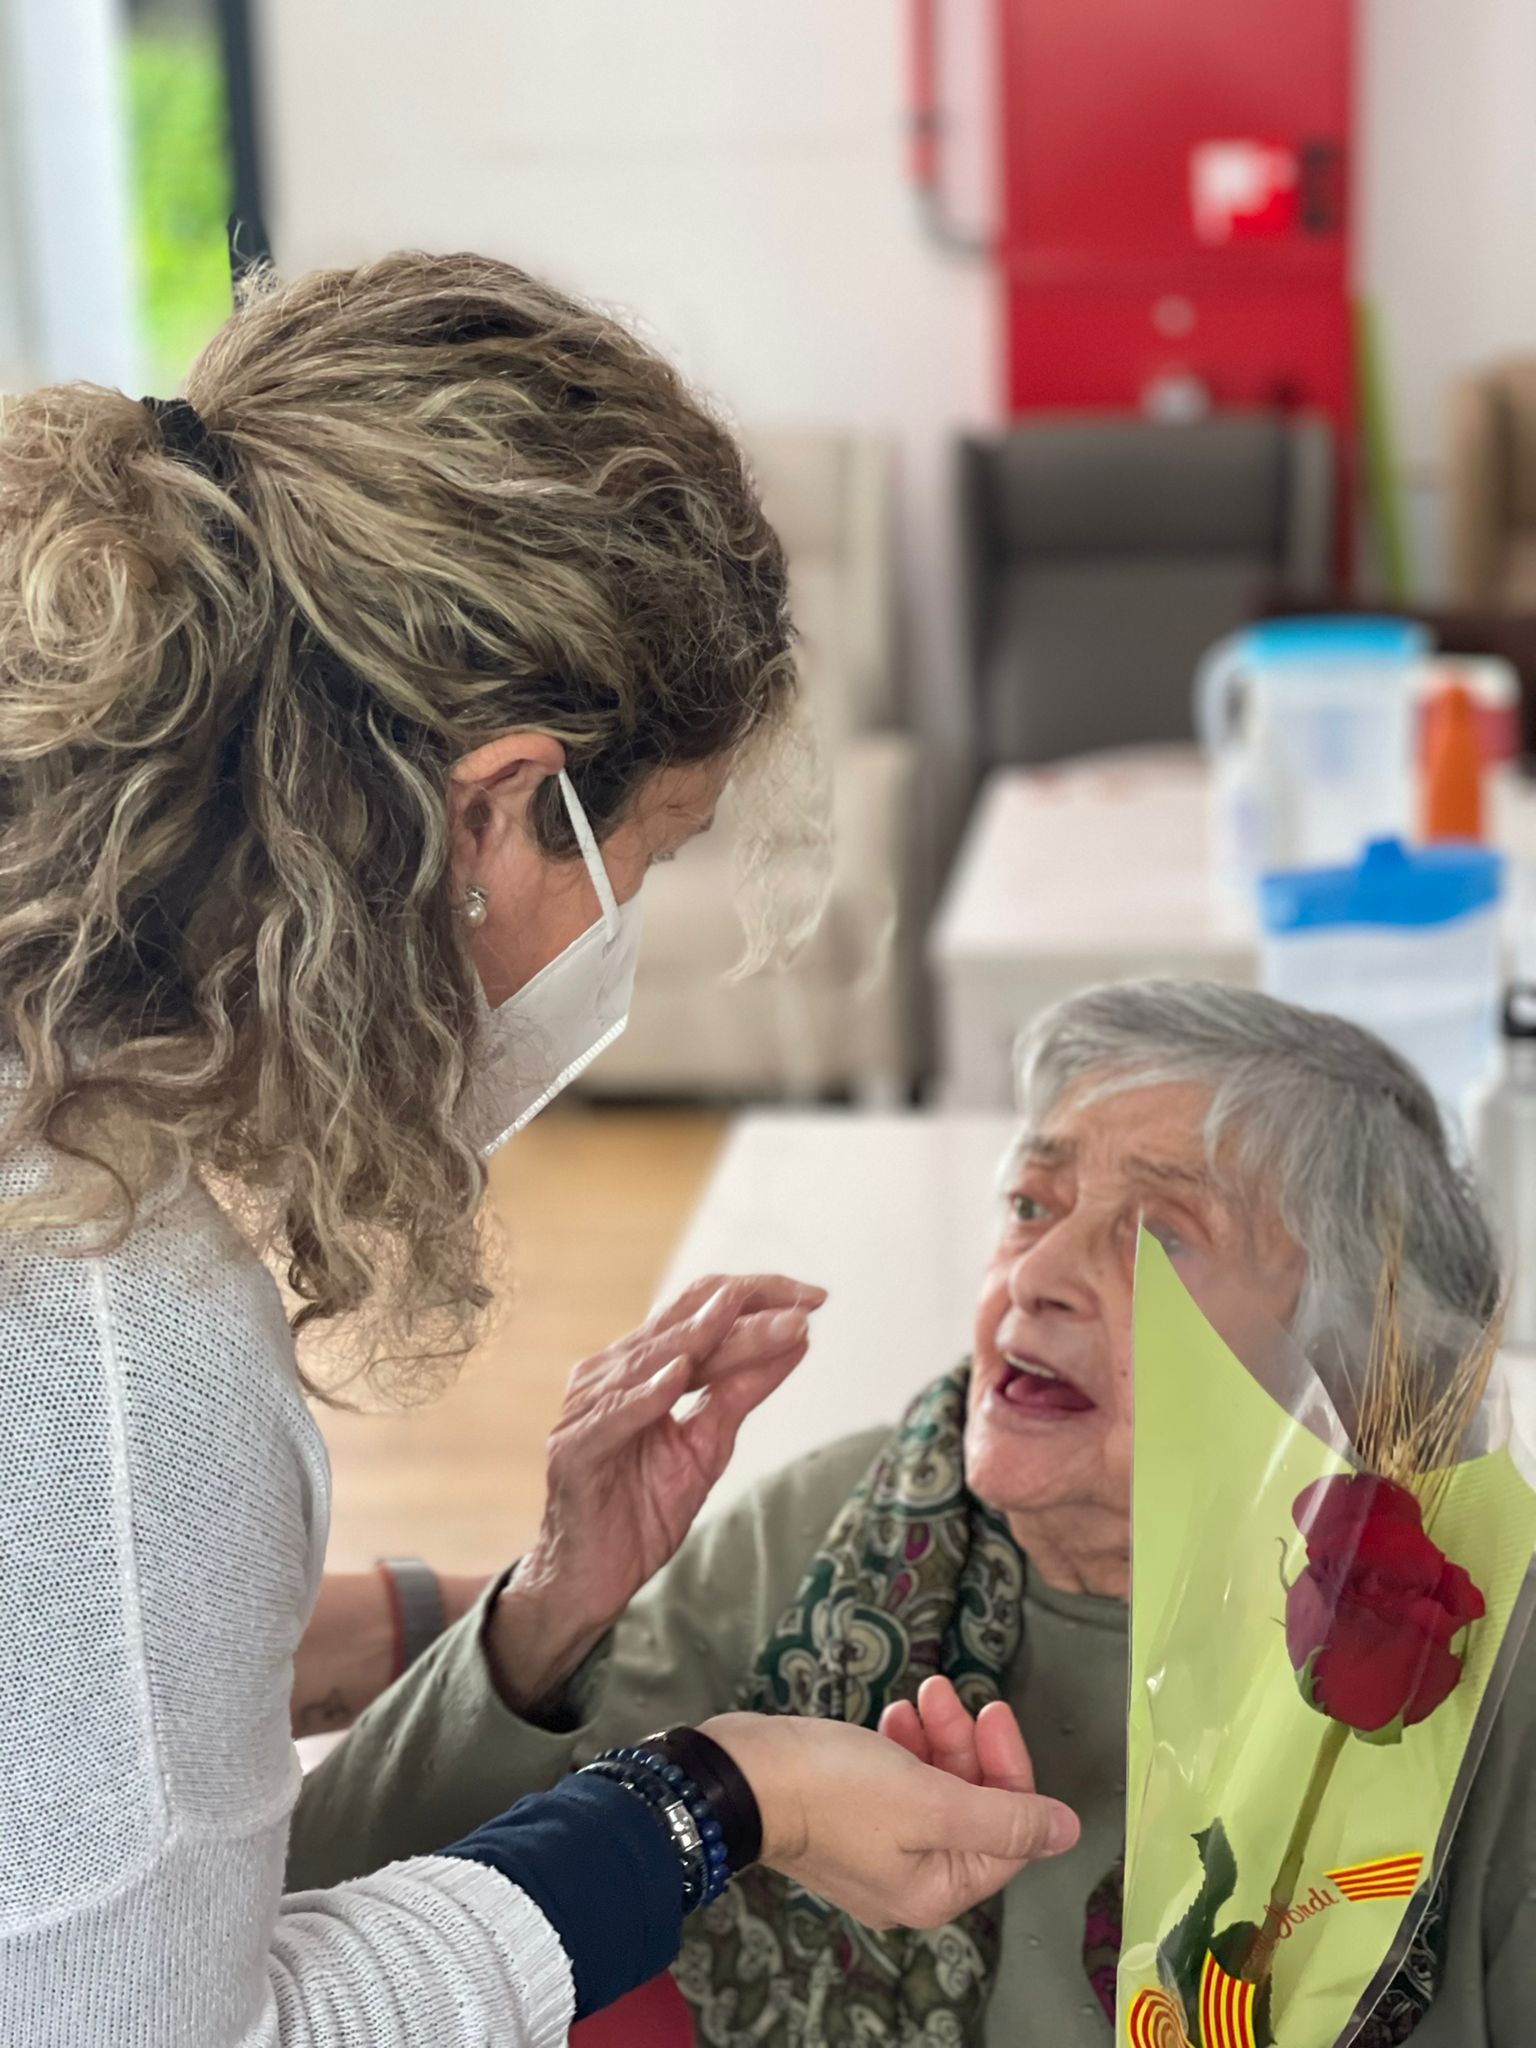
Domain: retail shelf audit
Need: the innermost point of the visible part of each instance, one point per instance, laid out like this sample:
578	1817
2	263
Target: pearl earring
476	905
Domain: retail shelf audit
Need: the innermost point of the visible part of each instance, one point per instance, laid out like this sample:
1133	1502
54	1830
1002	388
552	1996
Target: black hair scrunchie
187	437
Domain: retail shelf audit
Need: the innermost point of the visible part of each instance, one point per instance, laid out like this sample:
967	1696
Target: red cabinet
1176	201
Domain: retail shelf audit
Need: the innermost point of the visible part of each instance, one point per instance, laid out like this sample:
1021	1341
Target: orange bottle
1453	767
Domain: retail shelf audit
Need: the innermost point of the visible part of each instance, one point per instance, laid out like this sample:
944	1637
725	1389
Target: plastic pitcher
1309	726
1407	943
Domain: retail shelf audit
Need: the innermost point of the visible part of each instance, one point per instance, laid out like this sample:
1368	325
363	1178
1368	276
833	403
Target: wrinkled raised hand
908	1828
626	1478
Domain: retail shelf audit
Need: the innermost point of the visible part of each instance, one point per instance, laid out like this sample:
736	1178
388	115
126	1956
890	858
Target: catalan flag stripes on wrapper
1157	2022
1392	1877
1226	2008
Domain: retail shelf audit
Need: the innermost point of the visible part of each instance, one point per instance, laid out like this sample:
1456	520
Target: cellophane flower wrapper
1223	1742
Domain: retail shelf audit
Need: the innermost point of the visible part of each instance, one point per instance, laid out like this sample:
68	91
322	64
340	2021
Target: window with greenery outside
181	179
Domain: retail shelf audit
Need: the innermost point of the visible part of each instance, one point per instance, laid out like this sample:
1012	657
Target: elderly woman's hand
938	1730
891	1839
627	1478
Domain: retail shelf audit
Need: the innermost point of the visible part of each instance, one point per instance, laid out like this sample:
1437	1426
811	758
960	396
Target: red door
1176	200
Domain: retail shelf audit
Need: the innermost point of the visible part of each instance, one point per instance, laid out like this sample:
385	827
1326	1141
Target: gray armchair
1104	556
841	1017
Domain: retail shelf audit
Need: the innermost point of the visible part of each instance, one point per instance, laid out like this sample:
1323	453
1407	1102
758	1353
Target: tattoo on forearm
319	1717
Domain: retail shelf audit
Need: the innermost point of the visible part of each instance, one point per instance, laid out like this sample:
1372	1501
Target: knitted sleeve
163	1503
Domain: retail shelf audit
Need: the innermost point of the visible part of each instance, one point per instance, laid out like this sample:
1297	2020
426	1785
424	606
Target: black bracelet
683	1811
720	1779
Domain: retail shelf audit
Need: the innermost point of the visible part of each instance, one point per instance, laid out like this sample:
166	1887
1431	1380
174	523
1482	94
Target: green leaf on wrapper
1382	1738
1181	1955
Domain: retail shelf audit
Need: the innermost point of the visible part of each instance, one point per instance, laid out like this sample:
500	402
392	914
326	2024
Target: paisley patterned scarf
914	1577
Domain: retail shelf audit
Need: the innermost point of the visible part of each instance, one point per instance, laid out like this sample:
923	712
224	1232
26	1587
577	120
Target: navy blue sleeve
598	1865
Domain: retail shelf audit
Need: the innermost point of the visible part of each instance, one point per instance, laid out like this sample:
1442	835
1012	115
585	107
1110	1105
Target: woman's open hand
627	1478
890	1838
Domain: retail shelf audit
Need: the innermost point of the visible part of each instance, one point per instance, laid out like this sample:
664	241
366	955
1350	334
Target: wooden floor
591	1202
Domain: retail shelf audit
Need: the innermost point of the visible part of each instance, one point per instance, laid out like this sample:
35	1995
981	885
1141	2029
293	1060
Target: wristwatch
416	1607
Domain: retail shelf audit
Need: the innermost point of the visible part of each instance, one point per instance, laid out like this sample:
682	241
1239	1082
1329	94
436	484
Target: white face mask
551	1030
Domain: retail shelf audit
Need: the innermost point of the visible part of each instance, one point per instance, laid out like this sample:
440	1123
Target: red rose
1370	1621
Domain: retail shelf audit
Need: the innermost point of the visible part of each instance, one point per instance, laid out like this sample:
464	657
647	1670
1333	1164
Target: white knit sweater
163	1508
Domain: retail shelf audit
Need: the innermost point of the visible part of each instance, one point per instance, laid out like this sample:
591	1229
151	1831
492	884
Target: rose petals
1376	1607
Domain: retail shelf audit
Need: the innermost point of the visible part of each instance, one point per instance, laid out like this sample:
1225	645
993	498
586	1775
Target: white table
1094	871
1089	872
894	1213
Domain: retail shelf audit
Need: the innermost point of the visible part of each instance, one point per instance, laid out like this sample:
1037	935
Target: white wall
734	170
16	346
1448	214
66	284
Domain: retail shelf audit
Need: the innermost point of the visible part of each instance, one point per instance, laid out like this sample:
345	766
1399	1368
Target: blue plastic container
1406	942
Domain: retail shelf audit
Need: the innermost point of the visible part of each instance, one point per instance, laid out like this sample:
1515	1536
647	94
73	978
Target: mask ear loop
586	839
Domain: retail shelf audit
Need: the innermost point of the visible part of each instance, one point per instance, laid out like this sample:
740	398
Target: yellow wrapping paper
1219	1729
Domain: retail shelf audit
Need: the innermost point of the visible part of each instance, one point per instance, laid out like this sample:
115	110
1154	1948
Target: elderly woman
1274	1153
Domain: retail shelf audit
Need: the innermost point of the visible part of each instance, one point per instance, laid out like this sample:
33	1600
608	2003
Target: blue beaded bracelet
673	1818
683	1810
665	1785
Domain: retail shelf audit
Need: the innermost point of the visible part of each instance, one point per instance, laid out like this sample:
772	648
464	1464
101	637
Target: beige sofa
1491	489
840	1018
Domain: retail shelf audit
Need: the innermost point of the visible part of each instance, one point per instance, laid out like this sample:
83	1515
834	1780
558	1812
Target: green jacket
439	1753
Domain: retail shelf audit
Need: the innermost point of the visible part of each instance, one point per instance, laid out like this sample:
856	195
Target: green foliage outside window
181	184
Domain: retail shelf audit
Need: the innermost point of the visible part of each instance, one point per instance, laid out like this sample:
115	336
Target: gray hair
1309	1113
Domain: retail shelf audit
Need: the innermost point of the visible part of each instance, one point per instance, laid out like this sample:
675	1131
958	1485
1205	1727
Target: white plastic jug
1309	726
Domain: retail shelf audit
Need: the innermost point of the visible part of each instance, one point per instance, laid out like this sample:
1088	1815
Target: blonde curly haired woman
342	709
